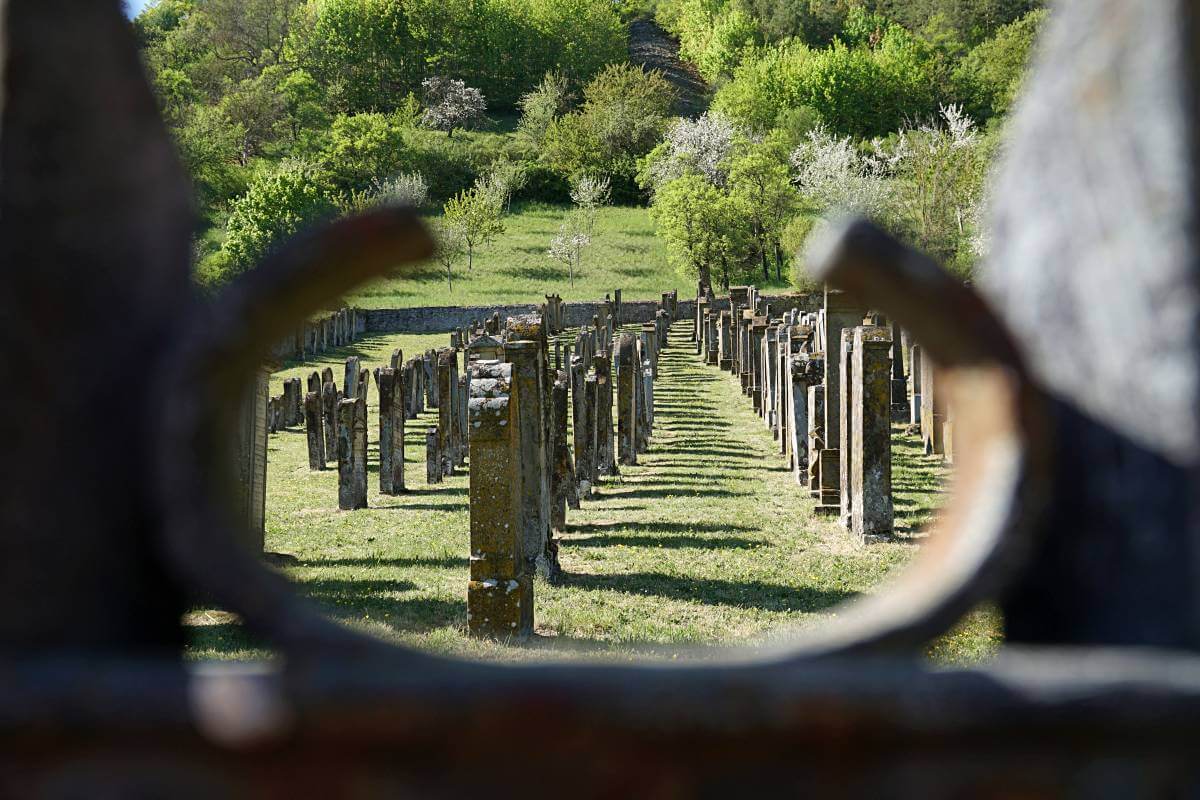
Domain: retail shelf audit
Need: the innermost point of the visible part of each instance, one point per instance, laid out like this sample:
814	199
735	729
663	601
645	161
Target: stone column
847	436
562	486
360	446
348	496
649	337
800	380
462	423
724	343
500	591
535	496
581	432
314	430
870	451
586	468
914	382
839	312
329	401
391	430
606	462
446	379
899	385
816	438
251	454
758	330
933	412
433	456
350	382
627	399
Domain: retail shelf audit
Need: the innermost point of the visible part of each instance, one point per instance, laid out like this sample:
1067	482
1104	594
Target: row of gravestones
523	476
833	377
321	335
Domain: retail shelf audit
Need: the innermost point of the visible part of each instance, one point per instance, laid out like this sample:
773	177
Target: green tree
695	219
284	201
624	114
990	76
760	180
363	148
210	147
475	215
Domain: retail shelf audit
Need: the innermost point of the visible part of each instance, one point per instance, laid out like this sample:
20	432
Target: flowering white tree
701	145
568	246
937	195
589	193
406	189
835	178
450	104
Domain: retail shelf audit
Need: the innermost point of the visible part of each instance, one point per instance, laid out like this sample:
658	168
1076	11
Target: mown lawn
625	254
707	541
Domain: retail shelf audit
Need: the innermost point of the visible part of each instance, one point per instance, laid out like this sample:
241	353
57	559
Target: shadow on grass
444	562
677	491
742	594
668	542
659	527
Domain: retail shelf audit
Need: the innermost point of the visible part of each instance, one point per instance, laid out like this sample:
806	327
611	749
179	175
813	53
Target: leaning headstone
315	431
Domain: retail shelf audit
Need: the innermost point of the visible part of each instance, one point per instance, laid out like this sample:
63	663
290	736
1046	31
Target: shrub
363	148
277	205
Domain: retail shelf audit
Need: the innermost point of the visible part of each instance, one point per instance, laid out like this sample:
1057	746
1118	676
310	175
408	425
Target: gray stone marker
914	381
433	457
870	473
563	490
391	430
314	430
348	496
500	591
525	357
606	462
627	399
350	381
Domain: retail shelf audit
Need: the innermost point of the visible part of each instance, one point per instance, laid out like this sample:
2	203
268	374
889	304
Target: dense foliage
355	89
286	112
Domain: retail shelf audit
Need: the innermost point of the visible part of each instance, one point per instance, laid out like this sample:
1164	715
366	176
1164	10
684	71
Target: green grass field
625	254
708	541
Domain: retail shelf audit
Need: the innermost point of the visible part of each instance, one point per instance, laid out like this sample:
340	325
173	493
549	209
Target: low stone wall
443	319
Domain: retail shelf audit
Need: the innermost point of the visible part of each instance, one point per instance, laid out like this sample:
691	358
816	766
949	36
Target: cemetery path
707	541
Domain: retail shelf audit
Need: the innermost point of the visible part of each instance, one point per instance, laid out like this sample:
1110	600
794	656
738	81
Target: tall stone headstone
527	375
348	495
391	430
914	382
840	311
627	398
606	461
563	489
933	411
314	430
870	473
500	590
434	471
447	389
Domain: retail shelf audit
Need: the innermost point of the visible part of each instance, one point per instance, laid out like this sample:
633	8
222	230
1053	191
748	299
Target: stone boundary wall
443	319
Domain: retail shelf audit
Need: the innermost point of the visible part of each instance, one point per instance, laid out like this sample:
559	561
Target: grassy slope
625	254
709	540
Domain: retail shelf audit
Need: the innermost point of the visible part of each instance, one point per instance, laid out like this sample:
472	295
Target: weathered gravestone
314	431
627	398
